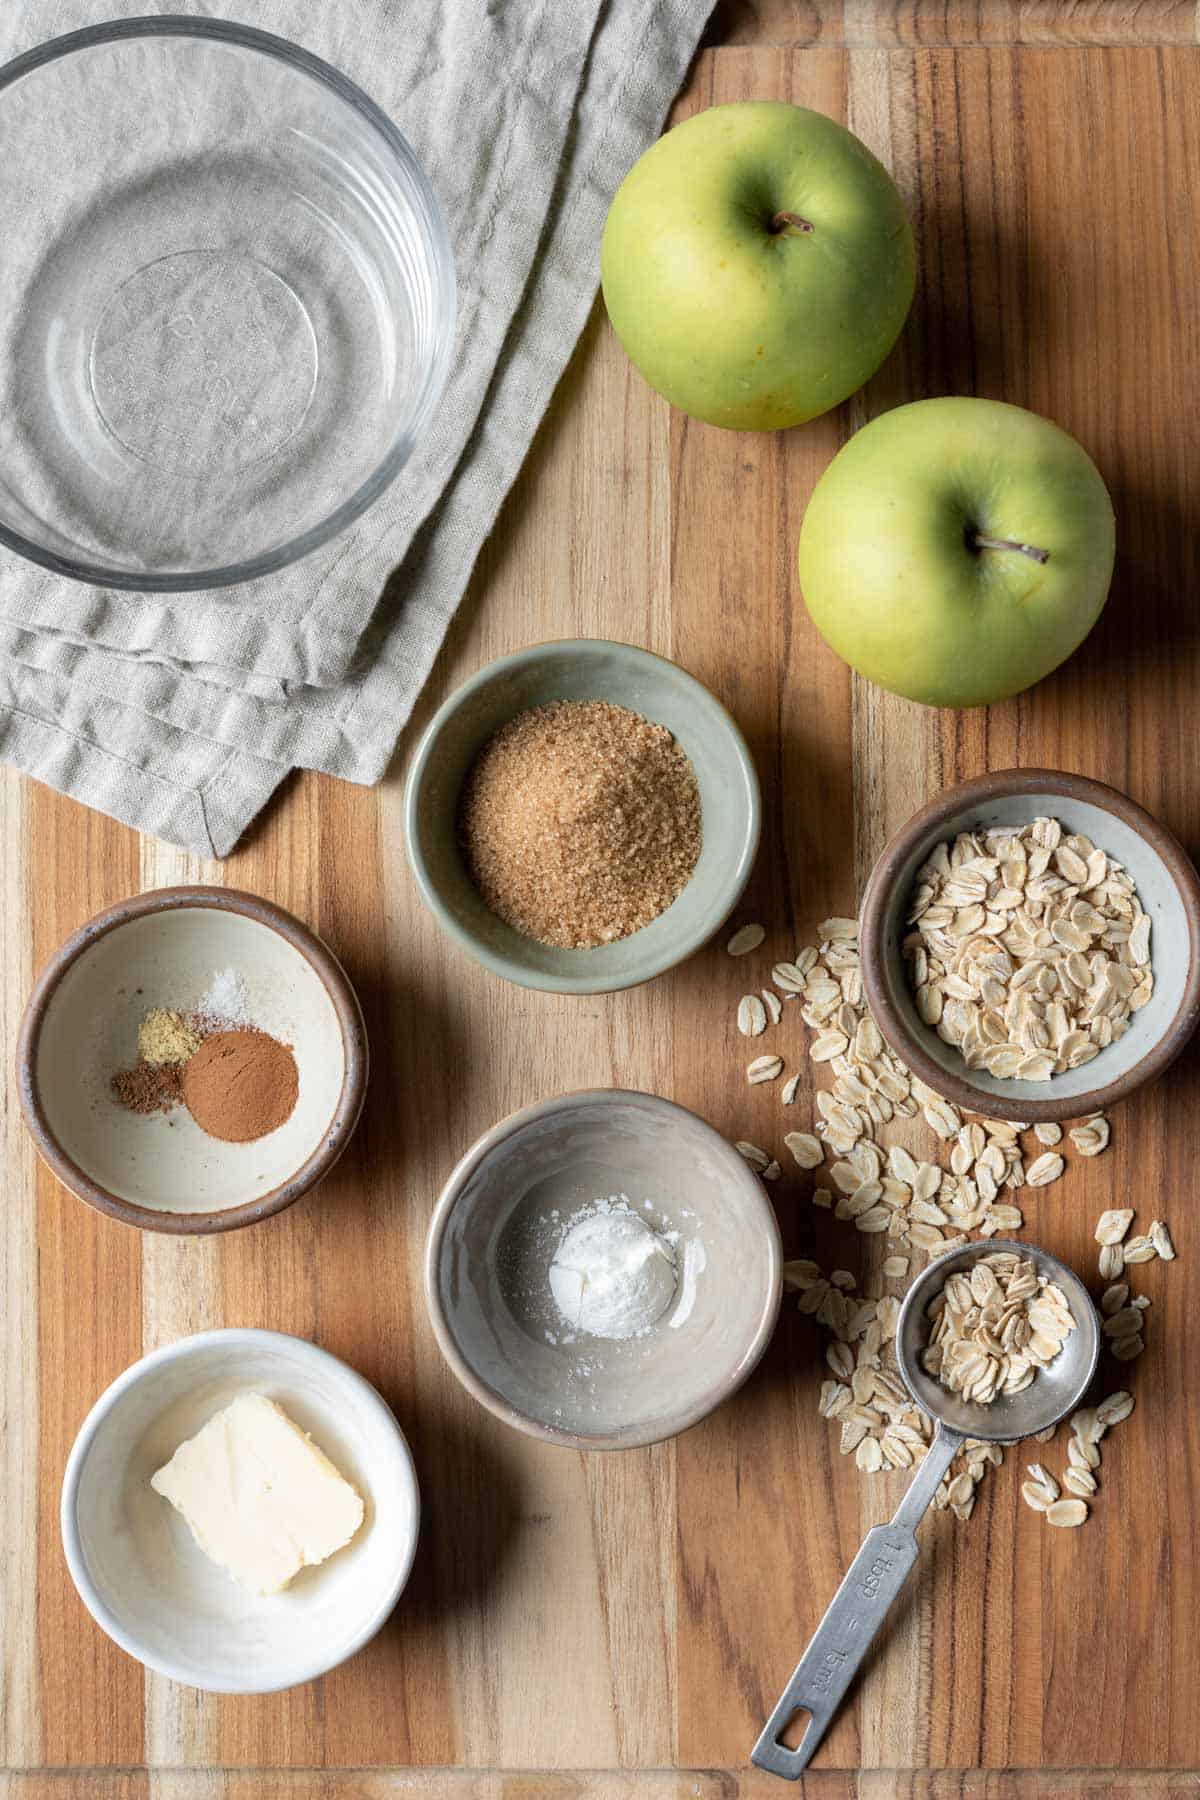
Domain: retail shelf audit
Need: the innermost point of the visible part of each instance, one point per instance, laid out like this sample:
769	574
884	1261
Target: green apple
957	550
757	264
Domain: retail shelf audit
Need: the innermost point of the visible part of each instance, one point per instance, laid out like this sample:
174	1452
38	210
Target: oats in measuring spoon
994	1328
1029	952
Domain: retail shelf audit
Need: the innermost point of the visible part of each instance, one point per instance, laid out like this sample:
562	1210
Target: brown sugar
580	822
240	1085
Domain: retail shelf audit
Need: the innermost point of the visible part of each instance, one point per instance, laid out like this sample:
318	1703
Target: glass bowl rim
266	43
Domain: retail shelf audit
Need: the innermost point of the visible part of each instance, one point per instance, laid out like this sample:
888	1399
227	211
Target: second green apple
956	550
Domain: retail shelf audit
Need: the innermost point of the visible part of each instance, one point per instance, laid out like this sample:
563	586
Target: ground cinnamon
240	1085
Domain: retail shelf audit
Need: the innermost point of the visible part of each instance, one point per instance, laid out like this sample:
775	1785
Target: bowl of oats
1031	945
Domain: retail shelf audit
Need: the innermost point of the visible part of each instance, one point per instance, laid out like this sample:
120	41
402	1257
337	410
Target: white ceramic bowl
163	1172
141	1574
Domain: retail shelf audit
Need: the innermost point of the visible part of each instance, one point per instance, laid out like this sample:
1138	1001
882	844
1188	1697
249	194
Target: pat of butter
261	1499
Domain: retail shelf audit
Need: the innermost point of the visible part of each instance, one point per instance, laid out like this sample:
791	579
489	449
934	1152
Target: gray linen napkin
181	715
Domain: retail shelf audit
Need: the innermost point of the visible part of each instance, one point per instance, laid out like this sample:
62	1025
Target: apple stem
977	541
782	220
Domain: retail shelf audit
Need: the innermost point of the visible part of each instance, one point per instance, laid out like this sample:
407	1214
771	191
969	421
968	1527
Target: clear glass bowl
226	304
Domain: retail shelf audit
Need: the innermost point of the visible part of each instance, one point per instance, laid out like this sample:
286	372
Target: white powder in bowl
612	1276
695	1261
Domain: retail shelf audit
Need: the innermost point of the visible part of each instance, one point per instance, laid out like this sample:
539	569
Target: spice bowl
500	1224
1168	890
166	949
144	1578
583	669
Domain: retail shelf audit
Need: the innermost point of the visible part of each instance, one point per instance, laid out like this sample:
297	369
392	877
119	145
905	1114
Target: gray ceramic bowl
1169	891
583	669
499	1220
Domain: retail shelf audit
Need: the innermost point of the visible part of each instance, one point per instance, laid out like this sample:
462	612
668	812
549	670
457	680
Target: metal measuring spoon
878	1572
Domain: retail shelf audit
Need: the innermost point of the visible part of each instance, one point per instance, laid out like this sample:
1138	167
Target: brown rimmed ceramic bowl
499	1221
1167	886
162	1173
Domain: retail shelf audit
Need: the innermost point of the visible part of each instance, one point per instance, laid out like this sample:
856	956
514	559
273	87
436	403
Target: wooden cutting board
640	1611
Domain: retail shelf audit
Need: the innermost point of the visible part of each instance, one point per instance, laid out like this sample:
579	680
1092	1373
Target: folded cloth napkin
181	714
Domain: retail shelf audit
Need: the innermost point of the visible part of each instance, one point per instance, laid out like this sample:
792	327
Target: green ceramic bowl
583	669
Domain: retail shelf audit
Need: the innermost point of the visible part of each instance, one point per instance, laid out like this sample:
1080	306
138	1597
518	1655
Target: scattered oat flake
1126	1322
1112	1261
1048	1133
751	1016
1160	1237
758	1159
1112	1225
1067	1512
745	939
771	1002
941	1117
788	977
1091	1138
1118	1406
1044	1169
838	931
790	1089
764	1068
822	1197
805	1148
895	1267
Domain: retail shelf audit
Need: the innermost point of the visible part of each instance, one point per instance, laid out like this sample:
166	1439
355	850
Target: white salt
227	1000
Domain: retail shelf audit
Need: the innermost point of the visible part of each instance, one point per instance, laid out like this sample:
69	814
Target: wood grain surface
601	1615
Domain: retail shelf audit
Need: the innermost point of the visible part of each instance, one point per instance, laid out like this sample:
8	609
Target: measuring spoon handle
849	1627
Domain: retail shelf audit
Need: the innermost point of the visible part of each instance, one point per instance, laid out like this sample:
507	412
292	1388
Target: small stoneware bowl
500	1220
162	1172
139	1570
583	669
1167	887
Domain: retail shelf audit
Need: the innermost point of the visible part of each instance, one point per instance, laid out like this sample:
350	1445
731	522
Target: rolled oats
764	1068
1160	1237
751	1016
1028	958
745	939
